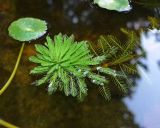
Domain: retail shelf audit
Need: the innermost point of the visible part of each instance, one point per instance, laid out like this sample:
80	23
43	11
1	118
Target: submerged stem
14	71
6	124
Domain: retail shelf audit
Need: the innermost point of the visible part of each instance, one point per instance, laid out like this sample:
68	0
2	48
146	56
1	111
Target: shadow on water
30	107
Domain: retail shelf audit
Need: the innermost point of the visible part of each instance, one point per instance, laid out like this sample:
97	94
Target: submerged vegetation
154	23
66	64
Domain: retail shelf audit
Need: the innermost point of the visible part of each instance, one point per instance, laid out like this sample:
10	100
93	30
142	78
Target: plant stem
6	124
14	71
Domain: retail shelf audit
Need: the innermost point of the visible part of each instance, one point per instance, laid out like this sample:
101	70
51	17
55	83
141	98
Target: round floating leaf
27	29
118	5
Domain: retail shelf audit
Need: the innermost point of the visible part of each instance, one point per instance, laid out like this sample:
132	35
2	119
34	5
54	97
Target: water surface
30	107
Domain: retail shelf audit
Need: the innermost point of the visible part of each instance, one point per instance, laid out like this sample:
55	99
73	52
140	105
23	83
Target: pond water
30	107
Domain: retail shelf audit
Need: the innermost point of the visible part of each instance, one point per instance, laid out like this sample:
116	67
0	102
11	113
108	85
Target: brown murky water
30	107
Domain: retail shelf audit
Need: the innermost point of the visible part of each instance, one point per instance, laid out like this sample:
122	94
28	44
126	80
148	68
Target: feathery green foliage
118	55
154	22
66	64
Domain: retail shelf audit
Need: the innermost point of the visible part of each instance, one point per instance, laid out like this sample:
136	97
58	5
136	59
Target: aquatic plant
154	23
118	55
66	64
24	29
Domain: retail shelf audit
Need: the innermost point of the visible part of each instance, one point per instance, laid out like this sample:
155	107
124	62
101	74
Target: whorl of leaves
65	64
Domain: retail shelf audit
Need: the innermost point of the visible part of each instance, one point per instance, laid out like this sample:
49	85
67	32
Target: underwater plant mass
66	64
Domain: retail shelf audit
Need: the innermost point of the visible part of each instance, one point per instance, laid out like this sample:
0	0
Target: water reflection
145	102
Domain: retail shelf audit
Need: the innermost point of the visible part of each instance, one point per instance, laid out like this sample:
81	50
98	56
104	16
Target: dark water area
30	107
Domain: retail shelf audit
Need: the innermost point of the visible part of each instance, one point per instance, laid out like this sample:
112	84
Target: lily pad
27	29
118	5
